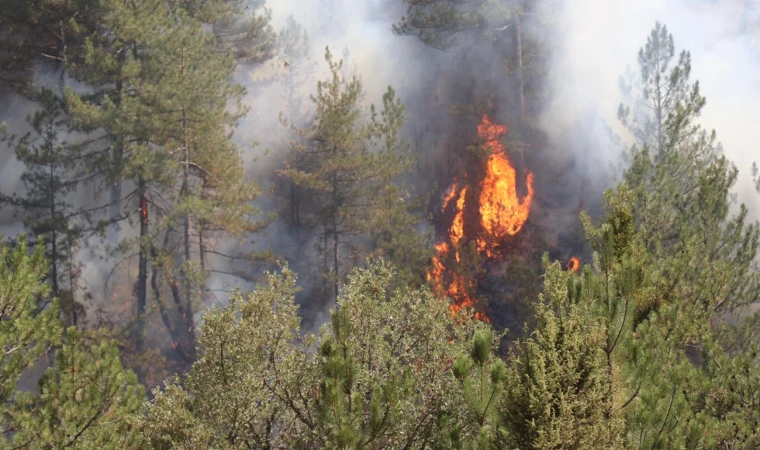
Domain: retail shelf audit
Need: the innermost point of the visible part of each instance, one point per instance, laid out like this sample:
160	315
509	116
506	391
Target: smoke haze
592	41
598	41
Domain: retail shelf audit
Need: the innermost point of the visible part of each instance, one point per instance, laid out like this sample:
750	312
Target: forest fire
502	214
574	265
457	287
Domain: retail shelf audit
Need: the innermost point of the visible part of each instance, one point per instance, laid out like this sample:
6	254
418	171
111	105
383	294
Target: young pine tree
392	224
681	191
85	399
645	352
348	184
557	392
46	202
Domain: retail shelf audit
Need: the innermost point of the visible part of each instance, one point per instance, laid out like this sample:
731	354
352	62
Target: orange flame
502	213
457	287
144	210
574	264
449	196
457	228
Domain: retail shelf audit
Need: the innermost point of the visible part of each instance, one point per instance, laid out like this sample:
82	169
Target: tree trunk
142	271
520	84
295	206
187	282
54	237
117	153
336	209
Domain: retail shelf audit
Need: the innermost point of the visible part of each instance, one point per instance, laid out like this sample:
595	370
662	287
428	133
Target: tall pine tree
46	202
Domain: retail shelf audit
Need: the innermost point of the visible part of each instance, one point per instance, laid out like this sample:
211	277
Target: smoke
592	42
597	41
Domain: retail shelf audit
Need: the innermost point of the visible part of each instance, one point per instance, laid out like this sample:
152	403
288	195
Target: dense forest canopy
448	224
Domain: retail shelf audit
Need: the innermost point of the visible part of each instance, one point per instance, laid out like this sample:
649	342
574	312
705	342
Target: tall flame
502	214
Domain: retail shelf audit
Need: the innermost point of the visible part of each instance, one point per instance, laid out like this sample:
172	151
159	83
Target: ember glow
502	214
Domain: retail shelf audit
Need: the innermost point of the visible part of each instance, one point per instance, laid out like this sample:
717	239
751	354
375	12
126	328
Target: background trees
347	163
133	144
379	374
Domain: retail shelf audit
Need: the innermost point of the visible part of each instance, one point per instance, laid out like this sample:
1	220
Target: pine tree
442	23
445	24
160	107
45	203
41	31
85	398
334	166
189	103
726	395
393	223
645	352
31	330
299	72
482	377
681	187
558	384
697	259
241	27
119	142
294	48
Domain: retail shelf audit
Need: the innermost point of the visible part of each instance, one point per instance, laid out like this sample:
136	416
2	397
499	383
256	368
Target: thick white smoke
599	39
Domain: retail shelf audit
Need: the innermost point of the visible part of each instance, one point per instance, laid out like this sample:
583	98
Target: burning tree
502	214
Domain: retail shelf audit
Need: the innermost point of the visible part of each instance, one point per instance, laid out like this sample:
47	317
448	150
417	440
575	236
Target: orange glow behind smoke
574	264
502	214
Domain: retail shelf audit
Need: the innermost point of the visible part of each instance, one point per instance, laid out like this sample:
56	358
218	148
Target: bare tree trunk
520	83
187	282
142	271
186	277
54	236
117	153
336	209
